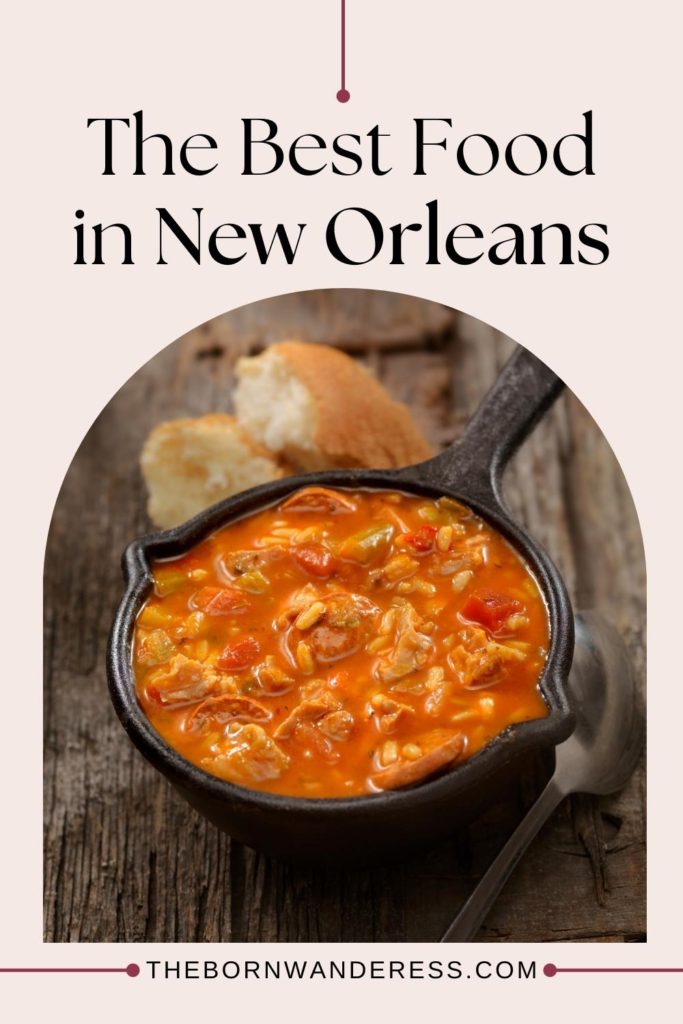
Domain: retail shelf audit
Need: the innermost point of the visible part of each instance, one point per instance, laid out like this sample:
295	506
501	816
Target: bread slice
190	464
320	409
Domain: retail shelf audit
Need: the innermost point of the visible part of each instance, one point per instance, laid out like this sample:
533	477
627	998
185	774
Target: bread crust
357	423
189	464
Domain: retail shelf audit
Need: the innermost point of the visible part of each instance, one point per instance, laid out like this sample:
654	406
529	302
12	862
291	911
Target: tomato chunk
423	539
490	609
314	559
219	601
239	655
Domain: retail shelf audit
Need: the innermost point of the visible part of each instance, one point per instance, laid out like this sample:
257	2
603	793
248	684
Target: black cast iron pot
389	824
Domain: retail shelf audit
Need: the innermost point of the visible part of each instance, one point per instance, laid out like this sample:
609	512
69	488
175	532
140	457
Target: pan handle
525	390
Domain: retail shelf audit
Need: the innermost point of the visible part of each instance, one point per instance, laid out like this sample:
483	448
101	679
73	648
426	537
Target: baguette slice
190	464
319	409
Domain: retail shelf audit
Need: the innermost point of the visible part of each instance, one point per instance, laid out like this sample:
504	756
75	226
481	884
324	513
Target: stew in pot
341	643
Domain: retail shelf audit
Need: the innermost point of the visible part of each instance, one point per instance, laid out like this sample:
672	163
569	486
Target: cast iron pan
391	824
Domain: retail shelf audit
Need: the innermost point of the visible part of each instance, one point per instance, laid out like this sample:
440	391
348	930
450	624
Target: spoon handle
472	914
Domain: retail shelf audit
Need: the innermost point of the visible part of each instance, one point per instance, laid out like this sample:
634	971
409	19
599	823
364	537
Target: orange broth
341	643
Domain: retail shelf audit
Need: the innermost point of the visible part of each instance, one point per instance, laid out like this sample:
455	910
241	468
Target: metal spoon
598	757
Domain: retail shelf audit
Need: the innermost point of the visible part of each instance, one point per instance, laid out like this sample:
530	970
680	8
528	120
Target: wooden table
127	860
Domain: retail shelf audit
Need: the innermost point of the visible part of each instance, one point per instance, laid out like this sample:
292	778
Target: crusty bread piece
320	409
190	464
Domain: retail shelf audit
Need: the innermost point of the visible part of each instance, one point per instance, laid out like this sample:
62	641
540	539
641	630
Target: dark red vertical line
343	95
343	44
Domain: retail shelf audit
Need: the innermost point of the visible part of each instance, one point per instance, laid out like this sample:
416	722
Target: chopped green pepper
368	545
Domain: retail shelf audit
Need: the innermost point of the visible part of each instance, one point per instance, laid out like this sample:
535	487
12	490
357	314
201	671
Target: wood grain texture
127	860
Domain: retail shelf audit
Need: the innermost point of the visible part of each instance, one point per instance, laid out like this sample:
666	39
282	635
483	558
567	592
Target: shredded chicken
479	661
410	647
457	563
310	737
184	681
414	686
437	686
389	712
248	756
155	648
272	678
398	568
307	711
317	720
338	725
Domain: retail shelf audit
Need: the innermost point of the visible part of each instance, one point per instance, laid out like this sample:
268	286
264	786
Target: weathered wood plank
335	316
127	860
